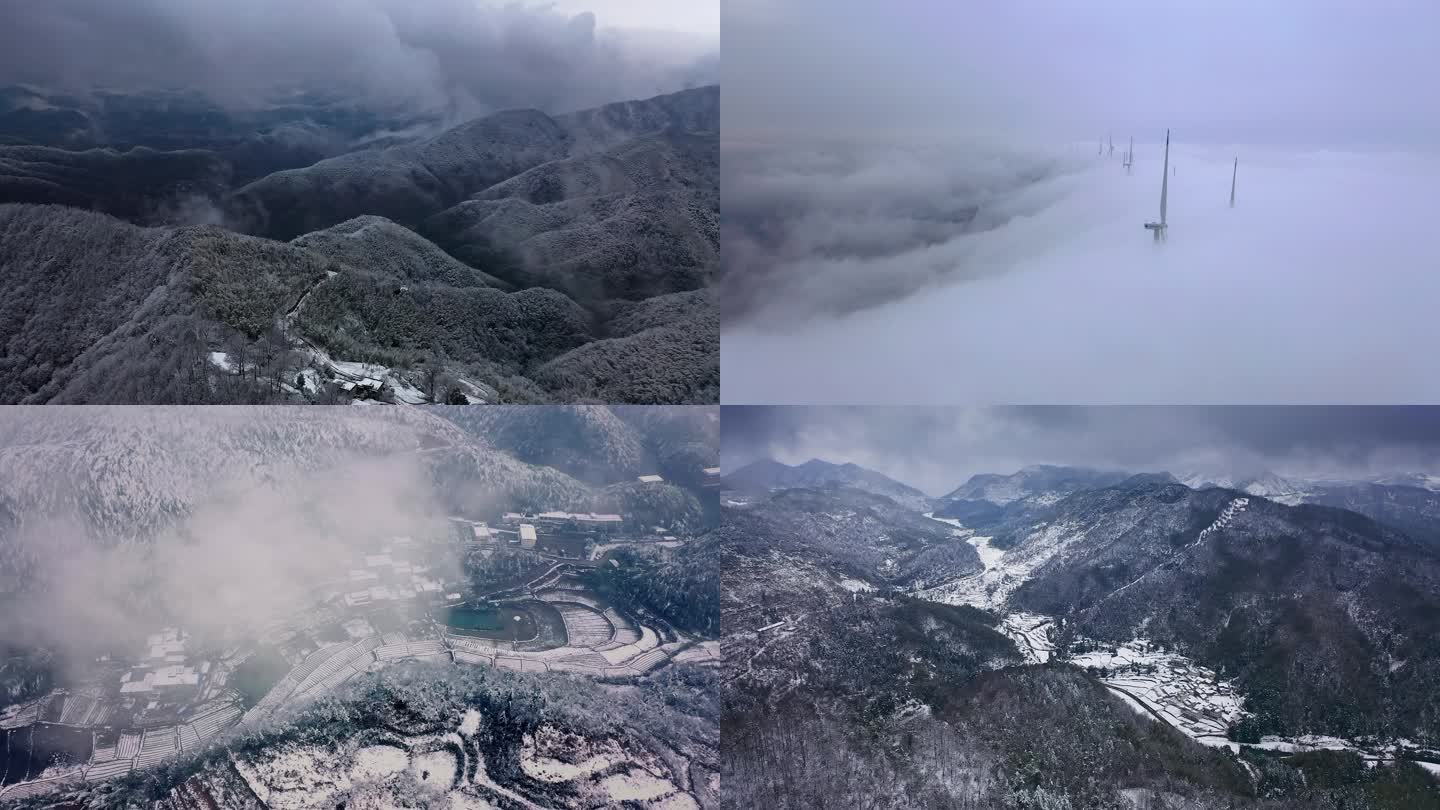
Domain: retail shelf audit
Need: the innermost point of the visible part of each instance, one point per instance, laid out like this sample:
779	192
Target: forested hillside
842	683
516	257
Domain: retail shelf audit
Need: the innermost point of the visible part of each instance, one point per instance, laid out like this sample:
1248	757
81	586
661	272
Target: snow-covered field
299	776
1188	696
359	374
1004	570
222	361
350	375
1031	634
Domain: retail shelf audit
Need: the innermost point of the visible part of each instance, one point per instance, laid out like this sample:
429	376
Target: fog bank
1317	286
460	57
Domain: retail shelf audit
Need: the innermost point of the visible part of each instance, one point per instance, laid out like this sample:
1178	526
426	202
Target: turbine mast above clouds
1158	228
1234	171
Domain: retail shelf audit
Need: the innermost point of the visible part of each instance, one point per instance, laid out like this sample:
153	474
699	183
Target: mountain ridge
769	474
606	299
1321	620
443	170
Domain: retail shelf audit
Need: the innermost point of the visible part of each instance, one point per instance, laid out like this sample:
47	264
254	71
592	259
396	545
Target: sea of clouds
972	272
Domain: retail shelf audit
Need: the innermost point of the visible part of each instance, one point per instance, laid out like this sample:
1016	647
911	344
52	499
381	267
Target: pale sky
686	16
1327	71
937	449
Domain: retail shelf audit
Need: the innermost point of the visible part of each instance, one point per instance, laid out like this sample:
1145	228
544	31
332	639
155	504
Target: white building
167	676
427	585
167	645
175	675
527	535
593	520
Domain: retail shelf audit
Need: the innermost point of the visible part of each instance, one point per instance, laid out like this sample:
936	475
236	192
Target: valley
1121	612
1164	684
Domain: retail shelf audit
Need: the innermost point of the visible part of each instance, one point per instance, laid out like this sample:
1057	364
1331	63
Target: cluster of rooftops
164	666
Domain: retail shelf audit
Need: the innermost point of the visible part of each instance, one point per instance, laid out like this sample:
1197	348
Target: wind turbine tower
1158	228
1235	170
1112	147
1130	156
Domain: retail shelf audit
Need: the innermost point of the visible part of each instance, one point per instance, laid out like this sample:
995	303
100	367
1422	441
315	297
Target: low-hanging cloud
938	448
115	522
904	221
853	281
833	227
458	56
245	556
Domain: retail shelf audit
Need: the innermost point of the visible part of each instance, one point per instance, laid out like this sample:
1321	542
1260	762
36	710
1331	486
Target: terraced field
598	641
450	769
1168	686
137	749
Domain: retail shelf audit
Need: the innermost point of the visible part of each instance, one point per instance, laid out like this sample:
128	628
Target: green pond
470	617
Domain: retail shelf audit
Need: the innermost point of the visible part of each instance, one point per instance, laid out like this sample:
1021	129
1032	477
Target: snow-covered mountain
127	473
1406	501
410	182
1282	620
1265	484
518	257
1268	593
1418	480
1038	484
815	473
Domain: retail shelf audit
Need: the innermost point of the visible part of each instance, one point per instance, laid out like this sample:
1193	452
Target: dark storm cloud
938	448
436	54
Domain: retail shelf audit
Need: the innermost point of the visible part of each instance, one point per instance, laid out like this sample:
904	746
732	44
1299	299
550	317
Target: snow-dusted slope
815	473
639	220
128	472
1265	485
1039	485
383	247
1004	570
409	182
